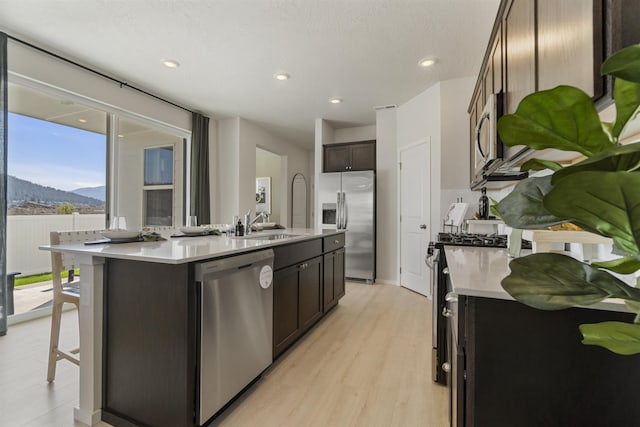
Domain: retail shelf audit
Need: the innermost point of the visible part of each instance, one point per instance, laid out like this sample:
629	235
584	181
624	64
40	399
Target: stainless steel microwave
487	146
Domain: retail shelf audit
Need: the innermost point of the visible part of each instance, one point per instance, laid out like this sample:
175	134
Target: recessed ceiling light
82	120
427	62
282	76
120	135
170	63
335	100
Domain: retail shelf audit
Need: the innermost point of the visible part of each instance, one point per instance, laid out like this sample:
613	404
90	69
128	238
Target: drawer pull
336	241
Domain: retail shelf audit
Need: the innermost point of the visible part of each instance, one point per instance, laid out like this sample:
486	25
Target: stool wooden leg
56	317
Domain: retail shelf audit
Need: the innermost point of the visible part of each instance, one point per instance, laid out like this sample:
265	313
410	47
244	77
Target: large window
149	173
56	163
158	186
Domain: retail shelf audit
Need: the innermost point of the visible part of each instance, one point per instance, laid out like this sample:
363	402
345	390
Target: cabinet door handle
335	242
445	270
446	366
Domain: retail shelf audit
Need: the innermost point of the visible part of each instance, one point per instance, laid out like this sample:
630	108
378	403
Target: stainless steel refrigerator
347	201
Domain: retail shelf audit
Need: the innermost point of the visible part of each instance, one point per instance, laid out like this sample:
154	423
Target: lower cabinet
517	366
297	302
333	280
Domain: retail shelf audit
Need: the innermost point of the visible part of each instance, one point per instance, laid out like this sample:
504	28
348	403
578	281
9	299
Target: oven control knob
446	366
445	270
446	312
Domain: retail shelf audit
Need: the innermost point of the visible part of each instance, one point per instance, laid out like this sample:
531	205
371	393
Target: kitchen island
140	316
512	365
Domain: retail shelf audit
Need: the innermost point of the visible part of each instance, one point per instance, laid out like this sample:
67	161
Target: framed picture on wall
263	194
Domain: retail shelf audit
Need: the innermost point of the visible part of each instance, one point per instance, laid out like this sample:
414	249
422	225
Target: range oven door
436	262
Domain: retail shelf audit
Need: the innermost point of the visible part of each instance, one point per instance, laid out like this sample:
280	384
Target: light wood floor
367	364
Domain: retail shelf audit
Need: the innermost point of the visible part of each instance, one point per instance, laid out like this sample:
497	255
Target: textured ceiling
363	51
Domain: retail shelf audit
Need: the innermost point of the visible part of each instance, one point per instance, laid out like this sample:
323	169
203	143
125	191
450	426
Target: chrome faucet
263	215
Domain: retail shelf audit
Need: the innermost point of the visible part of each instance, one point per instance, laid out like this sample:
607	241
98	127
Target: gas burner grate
475	239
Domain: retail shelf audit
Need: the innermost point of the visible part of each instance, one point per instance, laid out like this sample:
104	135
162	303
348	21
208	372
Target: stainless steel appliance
487	150
436	260
348	202
236	332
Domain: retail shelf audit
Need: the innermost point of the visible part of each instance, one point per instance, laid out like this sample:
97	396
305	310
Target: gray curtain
200	168
3	183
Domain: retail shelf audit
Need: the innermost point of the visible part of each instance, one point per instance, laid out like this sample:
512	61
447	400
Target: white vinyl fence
26	232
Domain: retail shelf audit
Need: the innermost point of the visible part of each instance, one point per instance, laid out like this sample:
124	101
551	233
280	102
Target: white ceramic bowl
120	234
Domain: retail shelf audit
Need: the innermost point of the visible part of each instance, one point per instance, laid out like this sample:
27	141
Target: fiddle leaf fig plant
600	194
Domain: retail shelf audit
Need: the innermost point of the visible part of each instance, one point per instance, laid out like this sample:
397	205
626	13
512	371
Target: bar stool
64	293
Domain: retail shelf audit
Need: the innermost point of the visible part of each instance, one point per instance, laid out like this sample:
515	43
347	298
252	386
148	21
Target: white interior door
415	206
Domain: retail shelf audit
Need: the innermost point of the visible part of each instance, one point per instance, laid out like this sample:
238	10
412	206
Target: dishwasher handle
220	267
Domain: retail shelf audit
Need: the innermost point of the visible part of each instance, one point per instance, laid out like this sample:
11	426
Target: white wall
236	178
269	165
227	171
419	119
354	134
386	193
454	101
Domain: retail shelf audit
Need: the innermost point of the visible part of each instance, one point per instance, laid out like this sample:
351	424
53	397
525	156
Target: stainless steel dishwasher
236	331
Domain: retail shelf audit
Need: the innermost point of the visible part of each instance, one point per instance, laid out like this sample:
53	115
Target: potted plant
600	194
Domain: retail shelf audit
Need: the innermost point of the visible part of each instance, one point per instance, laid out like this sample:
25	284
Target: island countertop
478	271
179	250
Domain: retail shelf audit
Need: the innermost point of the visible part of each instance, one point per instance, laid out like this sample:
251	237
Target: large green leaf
608	202
624	158
540	164
618	337
563	118
627	99
551	281
625	265
523	208
624	64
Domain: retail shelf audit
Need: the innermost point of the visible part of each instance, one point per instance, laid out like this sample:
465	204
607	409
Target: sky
55	155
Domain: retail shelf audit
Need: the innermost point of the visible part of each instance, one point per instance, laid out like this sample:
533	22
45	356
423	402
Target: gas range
476	239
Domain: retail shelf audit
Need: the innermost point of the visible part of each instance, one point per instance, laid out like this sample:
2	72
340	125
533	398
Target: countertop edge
114	250
492	275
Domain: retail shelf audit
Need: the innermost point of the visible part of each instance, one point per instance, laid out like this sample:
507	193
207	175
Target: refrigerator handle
338	210
346	210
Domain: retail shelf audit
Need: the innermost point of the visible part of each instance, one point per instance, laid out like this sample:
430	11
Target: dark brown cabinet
512	365
357	156
297	302
540	44
520	52
310	283
567	48
333	278
299	288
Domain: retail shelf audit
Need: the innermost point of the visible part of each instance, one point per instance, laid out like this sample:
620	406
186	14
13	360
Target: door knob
423	226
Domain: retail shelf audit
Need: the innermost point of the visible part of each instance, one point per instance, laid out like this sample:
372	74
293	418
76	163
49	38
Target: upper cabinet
357	156
568	52
539	44
520	52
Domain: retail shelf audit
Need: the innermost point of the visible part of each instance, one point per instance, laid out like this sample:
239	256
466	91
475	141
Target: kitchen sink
280	236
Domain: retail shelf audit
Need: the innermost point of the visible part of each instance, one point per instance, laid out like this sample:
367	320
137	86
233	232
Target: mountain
20	190
99	193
